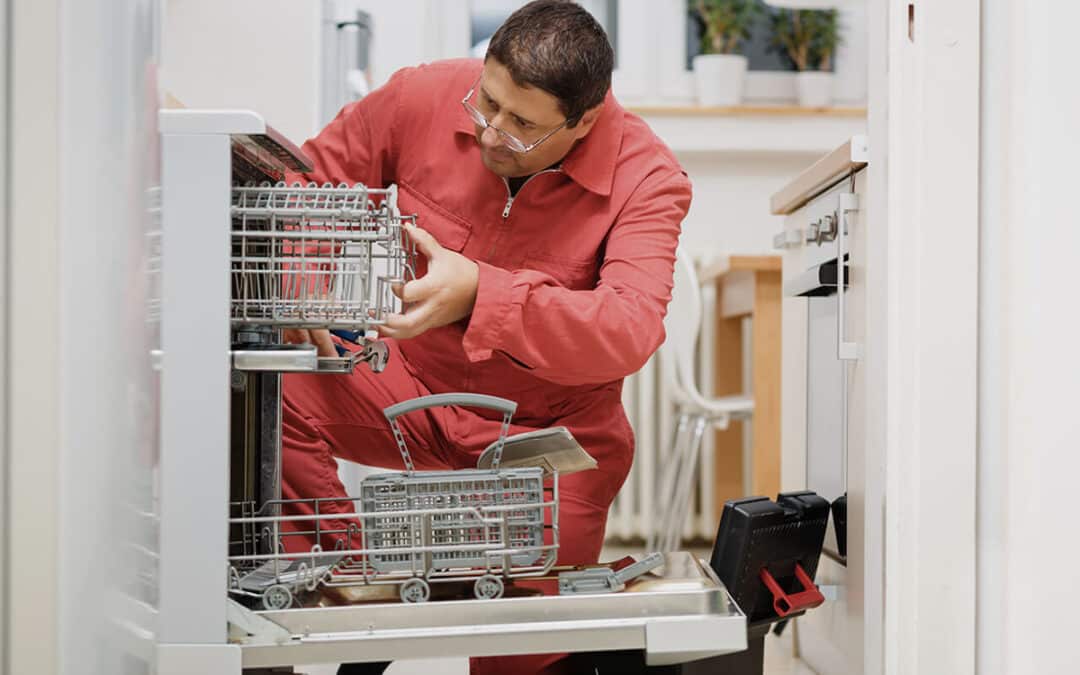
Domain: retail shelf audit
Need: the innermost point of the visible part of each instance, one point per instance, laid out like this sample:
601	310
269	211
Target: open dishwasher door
232	239
677	613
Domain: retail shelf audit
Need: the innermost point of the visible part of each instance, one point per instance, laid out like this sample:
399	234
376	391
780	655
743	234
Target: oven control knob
827	229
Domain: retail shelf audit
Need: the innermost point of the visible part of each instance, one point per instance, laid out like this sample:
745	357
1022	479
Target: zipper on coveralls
510	197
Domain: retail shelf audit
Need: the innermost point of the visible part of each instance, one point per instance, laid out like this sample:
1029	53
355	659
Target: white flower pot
719	78
815	88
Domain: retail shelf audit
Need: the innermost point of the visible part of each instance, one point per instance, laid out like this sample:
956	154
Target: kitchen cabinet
823	391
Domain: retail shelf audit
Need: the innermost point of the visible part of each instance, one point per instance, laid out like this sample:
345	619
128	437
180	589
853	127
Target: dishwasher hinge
246	625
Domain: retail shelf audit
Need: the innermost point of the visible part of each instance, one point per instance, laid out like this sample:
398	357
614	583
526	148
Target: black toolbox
766	553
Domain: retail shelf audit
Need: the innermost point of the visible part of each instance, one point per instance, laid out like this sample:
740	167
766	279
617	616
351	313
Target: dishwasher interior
460	563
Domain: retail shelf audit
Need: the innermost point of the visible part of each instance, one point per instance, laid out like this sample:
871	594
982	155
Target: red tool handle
785	603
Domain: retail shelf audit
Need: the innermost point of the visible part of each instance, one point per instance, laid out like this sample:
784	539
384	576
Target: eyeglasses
509	140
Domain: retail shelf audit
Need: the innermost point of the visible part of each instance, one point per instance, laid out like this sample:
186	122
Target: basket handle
505	406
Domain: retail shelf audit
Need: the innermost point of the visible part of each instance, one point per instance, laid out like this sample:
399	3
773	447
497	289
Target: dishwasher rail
678	613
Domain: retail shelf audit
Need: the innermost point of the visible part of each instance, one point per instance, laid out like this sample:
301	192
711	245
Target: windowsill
783	110
751	129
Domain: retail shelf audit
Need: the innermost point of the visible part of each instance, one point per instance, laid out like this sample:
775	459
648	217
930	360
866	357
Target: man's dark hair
557	46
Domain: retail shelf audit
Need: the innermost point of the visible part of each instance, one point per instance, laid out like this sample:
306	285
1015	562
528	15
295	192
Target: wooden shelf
745	110
753	129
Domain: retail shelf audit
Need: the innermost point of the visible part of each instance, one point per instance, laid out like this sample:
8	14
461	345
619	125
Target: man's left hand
444	295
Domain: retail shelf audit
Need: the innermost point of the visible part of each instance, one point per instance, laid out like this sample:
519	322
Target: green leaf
727	23
808	37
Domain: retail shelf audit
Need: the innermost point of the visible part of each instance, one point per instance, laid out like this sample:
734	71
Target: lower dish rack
407	529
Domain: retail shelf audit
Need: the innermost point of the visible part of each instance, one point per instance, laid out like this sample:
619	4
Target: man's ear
587	121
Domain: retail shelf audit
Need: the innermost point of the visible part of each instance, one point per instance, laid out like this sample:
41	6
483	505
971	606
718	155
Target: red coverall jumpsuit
575	277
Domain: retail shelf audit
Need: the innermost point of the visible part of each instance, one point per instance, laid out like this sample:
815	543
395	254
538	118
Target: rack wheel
415	590
277	596
488	587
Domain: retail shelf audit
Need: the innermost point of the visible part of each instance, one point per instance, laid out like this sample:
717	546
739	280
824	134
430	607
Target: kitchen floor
779	659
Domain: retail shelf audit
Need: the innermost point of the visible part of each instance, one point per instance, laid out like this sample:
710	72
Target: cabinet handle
845	350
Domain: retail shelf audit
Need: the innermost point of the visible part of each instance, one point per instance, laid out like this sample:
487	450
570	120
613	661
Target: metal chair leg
685	484
667	483
678	468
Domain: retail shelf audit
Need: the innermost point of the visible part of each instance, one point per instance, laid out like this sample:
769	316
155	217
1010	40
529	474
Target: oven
823	401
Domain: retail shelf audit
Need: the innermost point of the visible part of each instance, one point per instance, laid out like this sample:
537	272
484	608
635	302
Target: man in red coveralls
549	219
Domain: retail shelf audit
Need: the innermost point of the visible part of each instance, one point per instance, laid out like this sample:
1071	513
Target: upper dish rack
309	256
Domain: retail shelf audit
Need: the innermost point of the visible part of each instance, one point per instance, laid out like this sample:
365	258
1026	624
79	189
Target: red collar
590	163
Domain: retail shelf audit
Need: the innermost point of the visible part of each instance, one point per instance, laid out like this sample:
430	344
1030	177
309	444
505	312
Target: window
660	37
758	48
485	17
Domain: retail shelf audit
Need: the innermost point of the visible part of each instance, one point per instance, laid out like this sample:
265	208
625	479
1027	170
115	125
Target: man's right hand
320	337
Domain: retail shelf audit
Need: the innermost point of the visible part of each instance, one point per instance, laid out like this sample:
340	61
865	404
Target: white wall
730	210
408	32
258	55
1029	366
265	55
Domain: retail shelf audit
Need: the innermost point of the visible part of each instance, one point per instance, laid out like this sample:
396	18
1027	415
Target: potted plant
719	70
809	38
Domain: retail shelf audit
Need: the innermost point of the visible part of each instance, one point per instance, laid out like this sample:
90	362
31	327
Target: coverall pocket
450	230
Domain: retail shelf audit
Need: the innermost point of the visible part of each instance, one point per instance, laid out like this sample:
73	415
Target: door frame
919	469
31	370
5	451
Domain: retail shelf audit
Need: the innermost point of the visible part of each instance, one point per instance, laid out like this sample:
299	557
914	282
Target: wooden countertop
823	174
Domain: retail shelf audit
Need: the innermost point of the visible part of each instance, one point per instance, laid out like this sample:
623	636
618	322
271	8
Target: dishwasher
245	256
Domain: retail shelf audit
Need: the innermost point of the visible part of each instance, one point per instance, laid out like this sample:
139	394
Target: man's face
528	114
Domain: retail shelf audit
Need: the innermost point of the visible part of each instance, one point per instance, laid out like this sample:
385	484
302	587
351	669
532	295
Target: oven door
822	399
826	457
826	466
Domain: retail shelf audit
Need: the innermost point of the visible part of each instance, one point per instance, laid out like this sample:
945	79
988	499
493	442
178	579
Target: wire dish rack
310	256
408	529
